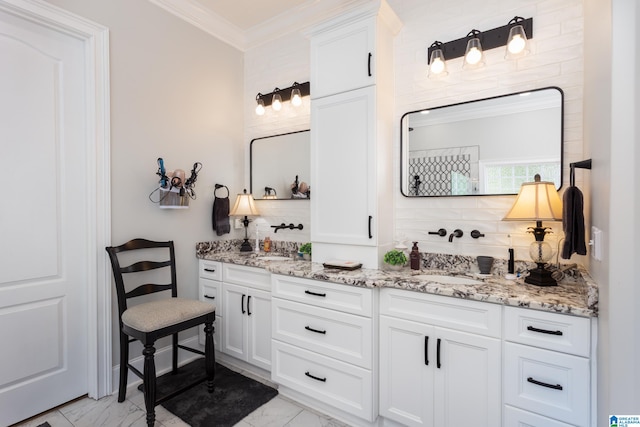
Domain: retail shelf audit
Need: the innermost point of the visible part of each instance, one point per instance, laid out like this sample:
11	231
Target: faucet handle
475	234
442	232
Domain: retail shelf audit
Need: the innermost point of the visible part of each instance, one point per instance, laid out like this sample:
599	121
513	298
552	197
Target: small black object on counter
414	256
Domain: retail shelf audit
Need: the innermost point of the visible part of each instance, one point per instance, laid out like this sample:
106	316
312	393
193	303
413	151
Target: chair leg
174	354
209	355
124	367
149	380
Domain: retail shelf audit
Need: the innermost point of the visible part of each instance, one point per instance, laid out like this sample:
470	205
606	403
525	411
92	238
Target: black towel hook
584	164
218	186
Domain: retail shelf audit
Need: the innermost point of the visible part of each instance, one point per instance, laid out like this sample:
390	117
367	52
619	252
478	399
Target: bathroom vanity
374	347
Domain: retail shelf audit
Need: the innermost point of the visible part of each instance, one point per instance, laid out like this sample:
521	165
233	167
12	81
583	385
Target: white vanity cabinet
210	290
547	369
324	343
440	360
246	310
351	135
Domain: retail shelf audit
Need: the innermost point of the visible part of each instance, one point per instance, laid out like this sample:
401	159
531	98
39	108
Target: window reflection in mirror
280	167
483	147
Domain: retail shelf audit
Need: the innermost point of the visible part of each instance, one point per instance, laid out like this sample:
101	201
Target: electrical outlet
238	223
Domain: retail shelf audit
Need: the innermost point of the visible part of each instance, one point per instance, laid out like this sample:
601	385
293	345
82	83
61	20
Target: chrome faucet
456	233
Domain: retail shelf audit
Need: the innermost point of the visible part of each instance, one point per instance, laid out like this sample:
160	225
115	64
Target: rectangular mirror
484	147
280	167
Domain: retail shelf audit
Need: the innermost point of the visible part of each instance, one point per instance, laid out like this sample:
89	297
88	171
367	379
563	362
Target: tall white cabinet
351	135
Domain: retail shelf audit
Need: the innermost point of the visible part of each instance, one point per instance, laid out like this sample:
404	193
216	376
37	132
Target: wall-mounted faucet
442	232
283	226
456	233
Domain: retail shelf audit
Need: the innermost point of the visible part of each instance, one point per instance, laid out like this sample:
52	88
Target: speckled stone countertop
574	295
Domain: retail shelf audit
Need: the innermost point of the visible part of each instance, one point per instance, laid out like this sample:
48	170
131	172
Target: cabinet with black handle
210	290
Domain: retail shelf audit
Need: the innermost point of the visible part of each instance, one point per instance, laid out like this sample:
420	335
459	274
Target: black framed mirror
486	146
280	166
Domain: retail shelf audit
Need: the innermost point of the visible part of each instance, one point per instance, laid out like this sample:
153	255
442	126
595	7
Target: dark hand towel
573	223
220	215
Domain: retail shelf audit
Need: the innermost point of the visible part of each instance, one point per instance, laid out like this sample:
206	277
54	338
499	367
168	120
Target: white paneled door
44	218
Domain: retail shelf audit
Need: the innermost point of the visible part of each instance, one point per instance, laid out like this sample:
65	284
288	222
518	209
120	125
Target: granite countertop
576	295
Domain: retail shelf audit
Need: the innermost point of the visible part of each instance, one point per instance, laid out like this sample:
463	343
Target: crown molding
192	12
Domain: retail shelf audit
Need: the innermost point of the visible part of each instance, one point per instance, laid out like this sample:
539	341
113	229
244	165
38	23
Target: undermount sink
274	258
448	280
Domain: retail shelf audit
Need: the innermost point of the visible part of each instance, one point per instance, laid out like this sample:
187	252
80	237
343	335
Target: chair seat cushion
151	316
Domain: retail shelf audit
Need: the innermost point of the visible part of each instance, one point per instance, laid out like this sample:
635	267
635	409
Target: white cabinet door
343	165
234	336
343	59
407	361
467	379
259	322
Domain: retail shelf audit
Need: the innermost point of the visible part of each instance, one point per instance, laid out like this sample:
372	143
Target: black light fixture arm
285	94
489	39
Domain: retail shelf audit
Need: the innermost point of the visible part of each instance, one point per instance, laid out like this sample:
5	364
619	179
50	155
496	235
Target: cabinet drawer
336	383
210	269
331	333
547	382
349	299
248	276
467	316
514	417
551	331
210	292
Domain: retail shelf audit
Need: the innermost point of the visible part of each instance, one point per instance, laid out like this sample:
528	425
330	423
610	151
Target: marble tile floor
107	412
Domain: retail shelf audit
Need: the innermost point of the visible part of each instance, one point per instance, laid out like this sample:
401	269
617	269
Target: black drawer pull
317	331
544	331
426	350
314	293
324	380
209	297
210	270
438	354
369	64
555	387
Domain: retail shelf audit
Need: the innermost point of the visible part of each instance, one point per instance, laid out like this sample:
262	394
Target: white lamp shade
244	206
536	201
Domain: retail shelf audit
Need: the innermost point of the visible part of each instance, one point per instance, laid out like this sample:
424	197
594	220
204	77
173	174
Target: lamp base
540	276
246	246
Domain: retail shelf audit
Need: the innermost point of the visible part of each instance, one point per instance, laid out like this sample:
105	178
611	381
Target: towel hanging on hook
573	215
220	214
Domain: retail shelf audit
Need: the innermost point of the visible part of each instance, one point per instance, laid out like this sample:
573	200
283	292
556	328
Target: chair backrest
141	266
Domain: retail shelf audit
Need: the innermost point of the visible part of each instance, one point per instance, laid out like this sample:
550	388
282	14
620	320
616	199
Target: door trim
96	46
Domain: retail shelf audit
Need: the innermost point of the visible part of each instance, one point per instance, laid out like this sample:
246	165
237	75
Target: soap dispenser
414	256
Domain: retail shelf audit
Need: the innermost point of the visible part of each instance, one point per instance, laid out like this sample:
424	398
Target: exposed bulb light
260	105
517	43
473	56
276	102
437	64
296	98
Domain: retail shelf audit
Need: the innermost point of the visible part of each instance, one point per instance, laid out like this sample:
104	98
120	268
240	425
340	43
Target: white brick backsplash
556	59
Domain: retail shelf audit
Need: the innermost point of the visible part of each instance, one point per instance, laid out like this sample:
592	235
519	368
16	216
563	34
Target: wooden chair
159	318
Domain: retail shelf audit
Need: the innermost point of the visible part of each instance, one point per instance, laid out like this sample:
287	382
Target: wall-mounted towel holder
219	186
584	164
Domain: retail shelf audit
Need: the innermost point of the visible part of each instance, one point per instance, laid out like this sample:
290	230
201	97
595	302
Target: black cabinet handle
324	380
544	331
540	383
209	297
426	350
210	270
249	305
370	219
317	331
369	64
315	294
438	354
242	306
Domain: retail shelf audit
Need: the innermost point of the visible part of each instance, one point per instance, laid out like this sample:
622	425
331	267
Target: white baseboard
162	361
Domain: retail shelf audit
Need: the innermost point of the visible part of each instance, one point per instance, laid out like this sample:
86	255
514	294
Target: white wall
174	94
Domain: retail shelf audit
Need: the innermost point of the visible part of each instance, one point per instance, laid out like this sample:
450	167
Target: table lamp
537	201
245	206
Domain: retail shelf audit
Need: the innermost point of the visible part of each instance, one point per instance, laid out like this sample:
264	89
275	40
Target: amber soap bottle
414	256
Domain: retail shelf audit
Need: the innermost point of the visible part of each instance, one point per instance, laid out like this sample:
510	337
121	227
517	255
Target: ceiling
246	24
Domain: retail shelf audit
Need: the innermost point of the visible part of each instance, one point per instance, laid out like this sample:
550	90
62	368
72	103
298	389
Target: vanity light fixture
537	201
515	35
245	206
437	63
275	99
